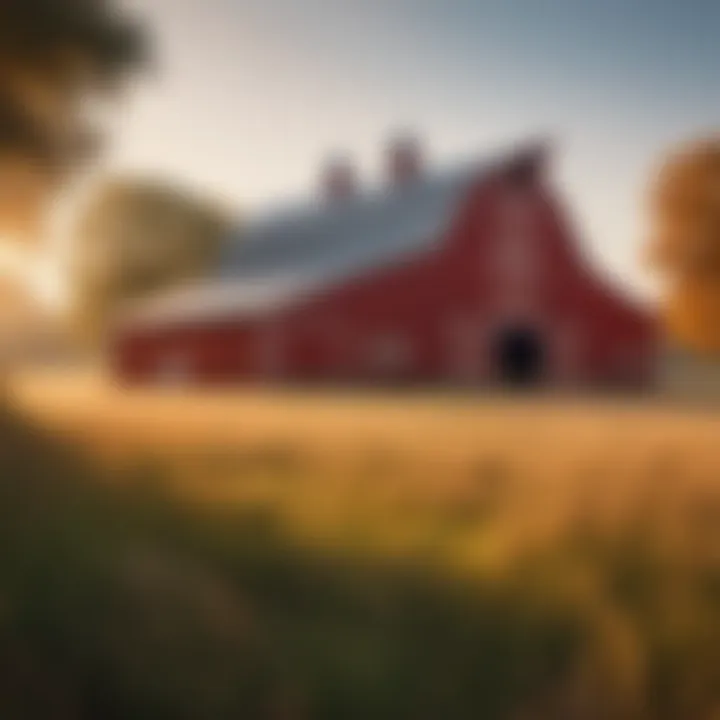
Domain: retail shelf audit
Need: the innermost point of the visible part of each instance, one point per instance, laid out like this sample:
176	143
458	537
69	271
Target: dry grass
331	456
427	555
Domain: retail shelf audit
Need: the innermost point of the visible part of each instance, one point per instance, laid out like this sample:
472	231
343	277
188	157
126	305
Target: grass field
362	555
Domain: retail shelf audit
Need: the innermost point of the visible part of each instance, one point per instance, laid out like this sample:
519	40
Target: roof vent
404	160
339	181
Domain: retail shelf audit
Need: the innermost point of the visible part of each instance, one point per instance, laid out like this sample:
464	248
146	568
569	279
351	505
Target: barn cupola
339	180
404	160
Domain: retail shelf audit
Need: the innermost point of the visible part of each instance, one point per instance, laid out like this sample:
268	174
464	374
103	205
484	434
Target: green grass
366	584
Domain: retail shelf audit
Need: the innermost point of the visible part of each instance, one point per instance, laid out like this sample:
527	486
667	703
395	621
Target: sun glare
40	274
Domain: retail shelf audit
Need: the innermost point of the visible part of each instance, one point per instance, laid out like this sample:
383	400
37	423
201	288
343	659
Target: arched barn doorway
519	357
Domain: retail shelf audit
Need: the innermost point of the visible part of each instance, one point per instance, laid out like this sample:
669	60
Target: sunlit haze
249	96
370	368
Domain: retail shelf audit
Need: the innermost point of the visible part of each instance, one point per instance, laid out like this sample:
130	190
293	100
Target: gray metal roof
280	258
365	230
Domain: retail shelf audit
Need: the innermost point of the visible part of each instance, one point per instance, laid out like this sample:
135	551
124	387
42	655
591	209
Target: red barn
465	276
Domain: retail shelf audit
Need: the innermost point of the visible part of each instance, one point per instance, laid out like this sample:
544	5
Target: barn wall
434	317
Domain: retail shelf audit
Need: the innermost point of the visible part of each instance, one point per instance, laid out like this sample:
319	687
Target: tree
138	237
685	243
58	58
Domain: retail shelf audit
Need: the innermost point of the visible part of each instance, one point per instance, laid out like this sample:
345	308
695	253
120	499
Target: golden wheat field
335	460
569	548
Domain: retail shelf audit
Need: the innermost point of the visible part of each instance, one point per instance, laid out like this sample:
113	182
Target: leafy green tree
58	60
138	237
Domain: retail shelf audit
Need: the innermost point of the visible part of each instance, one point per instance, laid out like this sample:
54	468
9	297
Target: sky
247	97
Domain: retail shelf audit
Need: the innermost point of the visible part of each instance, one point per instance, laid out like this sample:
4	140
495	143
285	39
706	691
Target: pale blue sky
249	95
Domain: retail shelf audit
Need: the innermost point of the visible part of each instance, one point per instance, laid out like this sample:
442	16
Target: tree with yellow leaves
685	244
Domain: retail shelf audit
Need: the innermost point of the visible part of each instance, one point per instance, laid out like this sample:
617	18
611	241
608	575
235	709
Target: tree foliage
686	242
57	59
138	237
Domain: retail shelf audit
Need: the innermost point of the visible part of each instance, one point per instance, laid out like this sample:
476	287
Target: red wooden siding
435	316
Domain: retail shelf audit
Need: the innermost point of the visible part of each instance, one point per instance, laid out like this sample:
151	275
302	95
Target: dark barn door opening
519	357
